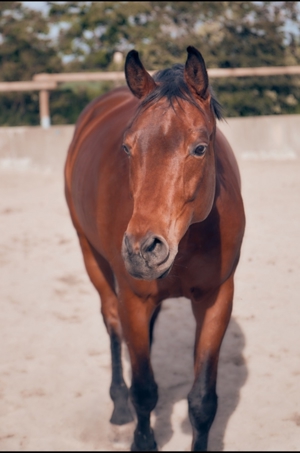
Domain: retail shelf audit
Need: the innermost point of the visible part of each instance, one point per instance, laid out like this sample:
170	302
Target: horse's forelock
172	86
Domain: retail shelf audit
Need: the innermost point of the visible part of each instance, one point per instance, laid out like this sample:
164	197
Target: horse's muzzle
146	258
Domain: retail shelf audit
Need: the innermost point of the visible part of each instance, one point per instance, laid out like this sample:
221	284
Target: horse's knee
144	395
202	410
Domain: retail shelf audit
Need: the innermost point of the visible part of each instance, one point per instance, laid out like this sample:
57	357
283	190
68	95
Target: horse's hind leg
102	278
212	316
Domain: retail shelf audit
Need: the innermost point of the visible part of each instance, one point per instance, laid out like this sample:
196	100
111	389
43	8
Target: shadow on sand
172	360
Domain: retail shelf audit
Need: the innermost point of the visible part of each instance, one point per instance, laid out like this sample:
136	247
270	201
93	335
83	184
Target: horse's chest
199	268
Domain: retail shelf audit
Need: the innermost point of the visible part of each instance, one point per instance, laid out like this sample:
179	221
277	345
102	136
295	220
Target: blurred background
56	37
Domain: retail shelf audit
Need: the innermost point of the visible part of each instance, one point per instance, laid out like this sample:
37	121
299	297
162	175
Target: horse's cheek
196	180
191	181
199	187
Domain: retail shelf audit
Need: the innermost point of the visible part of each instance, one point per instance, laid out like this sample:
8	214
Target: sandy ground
55	363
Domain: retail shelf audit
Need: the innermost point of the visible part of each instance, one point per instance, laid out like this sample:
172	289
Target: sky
39	6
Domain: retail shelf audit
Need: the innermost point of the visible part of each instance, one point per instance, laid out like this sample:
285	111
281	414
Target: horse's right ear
195	73
138	79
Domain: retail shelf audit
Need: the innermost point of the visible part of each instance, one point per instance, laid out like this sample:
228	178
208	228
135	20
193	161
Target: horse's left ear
138	79
195	73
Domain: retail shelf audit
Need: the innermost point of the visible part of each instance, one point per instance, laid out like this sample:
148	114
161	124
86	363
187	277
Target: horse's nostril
155	243
155	250
150	251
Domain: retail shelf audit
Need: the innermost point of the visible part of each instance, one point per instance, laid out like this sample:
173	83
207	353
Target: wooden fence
46	82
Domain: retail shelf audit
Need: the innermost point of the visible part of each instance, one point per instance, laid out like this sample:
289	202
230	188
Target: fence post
44	108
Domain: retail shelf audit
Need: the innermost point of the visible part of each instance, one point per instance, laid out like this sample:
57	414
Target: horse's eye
125	148
199	150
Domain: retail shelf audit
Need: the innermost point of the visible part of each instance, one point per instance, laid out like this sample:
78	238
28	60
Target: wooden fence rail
44	82
213	72
42	86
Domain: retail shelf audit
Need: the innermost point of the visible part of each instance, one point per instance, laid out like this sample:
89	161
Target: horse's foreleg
136	315
212	318
152	322
102	278
119	392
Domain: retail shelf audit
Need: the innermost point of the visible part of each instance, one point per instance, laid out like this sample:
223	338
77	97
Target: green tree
160	31
24	51
229	34
25	48
252	34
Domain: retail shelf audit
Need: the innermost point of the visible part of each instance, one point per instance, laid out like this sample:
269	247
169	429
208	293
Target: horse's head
170	146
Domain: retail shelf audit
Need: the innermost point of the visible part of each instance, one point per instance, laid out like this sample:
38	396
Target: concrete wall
264	137
34	147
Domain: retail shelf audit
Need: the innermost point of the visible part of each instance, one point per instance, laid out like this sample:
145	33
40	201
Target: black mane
173	86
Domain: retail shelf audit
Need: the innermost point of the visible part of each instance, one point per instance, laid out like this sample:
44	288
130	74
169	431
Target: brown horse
154	194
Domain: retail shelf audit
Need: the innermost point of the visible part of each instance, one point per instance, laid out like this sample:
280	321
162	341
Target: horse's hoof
142	442
135	448
121	416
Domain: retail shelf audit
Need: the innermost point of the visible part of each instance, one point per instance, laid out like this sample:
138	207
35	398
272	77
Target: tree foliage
228	34
24	51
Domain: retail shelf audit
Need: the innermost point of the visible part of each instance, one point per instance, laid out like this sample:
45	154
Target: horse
154	193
